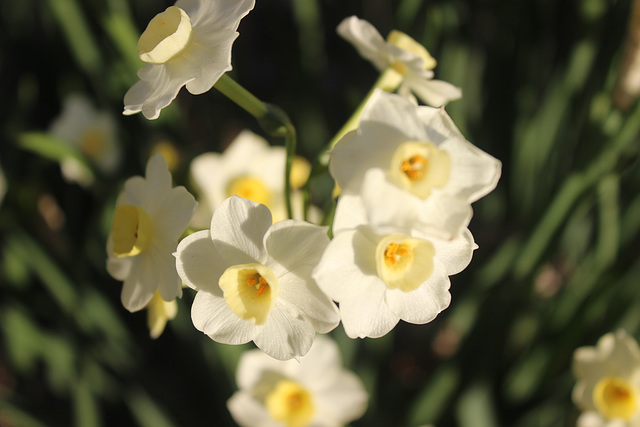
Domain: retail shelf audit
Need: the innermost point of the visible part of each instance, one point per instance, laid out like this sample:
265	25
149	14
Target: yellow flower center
167	35
131	230
418	167
250	291
615	398
404	262
250	188
407	43
290	404
92	143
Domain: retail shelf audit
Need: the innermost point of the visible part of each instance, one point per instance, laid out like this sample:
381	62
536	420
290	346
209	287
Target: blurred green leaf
435	396
476	407
74	25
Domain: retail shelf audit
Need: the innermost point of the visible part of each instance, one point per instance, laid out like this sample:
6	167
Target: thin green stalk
273	120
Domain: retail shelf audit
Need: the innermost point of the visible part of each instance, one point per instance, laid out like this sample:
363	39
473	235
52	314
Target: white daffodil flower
409	63
159	312
189	44
381	275
250	168
254	280
412	166
90	132
317	391
149	219
608	386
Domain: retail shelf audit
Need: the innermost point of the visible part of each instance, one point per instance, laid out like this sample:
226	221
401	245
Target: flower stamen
414	167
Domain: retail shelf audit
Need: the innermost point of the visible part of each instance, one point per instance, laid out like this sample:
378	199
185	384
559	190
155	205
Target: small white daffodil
608	386
92	134
316	391
409	64
189	44
381	275
149	219
412	166
254	280
250	168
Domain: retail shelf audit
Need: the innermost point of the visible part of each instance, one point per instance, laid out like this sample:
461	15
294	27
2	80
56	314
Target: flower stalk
273	120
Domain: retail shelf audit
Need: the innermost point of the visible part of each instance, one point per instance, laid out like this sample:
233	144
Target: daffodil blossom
90	132
608	386
188	44
381	275
254	279
317	391
250	168
149	218
412	166
409	63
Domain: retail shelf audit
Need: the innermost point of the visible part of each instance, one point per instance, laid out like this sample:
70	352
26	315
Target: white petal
140	284
393	111
208	64
364	310
366	39
433	92
321	367
253	364
592	419
455	255
438	125
199	264
158	86
345	401
474	173
238	227
442	215
211	315
284	337
173	215
118	268
350	213
348	260
423	304
168	282
216	15
295	246
248	412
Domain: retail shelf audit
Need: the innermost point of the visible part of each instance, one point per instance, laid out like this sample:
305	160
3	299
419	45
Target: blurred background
557	264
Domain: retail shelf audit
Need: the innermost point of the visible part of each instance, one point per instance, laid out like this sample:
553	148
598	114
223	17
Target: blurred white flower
412	166
407	60
92	134
250	168
254	280
608	386
149	219
159	312
317	391
188	44
382	275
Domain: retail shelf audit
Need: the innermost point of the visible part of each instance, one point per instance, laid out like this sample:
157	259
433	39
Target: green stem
273	120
